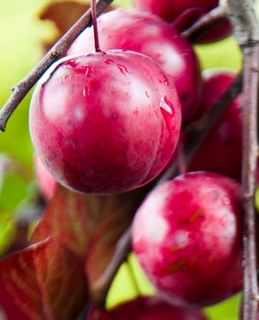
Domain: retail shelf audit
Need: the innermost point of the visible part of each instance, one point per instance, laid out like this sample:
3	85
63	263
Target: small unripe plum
105	122
187	237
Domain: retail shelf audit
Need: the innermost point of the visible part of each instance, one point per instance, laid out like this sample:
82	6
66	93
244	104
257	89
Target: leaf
117	214
70	217
89	225
43	281
64	14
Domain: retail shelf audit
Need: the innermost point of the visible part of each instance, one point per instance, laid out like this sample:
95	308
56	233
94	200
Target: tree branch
211	19
20	90
246	28
250	150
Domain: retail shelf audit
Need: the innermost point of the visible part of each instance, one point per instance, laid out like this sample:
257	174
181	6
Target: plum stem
21	89
246	29
95	26
208	21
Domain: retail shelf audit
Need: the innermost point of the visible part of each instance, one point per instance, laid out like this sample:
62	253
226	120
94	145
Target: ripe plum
105	122
187	237
146	33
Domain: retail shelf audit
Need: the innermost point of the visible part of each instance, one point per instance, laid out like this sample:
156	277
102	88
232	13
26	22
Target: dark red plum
188	240
221	150
170	10
146	33
148	308
105	122
190	16
183	12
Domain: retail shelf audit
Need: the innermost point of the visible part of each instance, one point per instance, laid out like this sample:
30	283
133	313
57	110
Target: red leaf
116	217
43	281
71	217
89	225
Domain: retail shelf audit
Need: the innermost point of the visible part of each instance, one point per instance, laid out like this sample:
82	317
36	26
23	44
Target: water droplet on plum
123	69
86	91
166	105
72	63
89	71
164	79
167	112
109	61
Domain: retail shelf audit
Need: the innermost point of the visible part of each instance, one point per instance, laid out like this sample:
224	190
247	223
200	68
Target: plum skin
183	12
144	32
105	122
225	137
170	10
188	240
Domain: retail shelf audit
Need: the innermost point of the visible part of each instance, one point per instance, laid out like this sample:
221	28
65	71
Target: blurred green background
21	37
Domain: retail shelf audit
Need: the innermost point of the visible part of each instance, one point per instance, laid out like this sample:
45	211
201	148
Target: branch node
55	54
244	21
247	197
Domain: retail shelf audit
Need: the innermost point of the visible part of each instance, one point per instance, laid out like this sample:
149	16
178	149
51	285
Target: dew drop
123	69
109	61
166	105
86	91
89	71
72	63
167	112
164	79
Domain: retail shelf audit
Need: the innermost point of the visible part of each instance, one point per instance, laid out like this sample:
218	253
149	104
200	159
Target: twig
246	27
20	90
102	287
211	19
198	130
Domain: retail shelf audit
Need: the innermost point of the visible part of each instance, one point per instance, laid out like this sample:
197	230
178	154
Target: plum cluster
108	121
